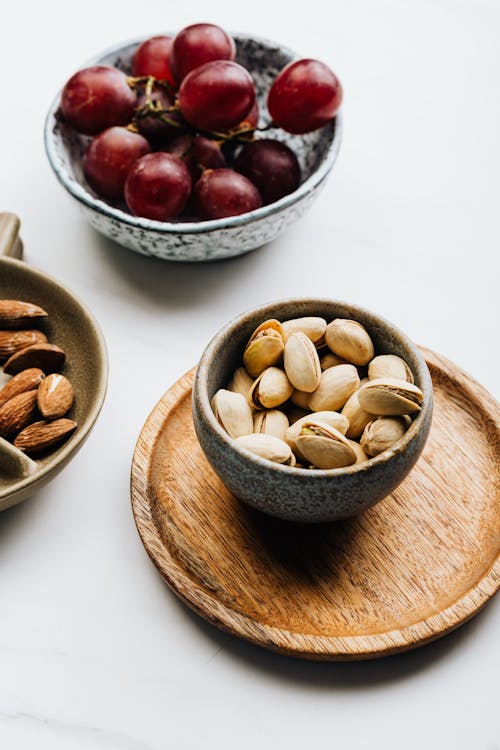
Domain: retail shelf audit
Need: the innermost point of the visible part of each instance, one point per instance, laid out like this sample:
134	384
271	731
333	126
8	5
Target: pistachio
271	422
301	362
329	418
358	450
390	397
389	366
324	446
294	413
358	417
272	388
335	386
329	359
267	446
350	340
313	327
241	382
264	348
233	413
301	399
382	433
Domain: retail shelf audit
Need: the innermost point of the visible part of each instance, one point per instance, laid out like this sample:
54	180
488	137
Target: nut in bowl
361	423
198	231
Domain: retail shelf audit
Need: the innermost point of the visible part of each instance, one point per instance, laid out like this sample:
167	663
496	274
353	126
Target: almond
27	380
16	314
17	413
55	396
40	436
48	357
12	341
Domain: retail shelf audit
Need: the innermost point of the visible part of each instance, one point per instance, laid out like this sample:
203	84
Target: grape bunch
180	136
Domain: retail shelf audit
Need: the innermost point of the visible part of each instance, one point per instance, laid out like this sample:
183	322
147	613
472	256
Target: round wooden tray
409	570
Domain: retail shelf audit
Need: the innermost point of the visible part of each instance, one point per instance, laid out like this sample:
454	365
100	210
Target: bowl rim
200	394
72	445
82	195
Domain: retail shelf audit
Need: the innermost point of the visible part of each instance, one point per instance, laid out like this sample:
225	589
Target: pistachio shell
361	456
267	446
390	397
313	327
324	446
358	417
301	362
272	388
350	340
233	413
271	422
335	386
329	418
265	347
382	433
329	359
389	366
300	398
241	382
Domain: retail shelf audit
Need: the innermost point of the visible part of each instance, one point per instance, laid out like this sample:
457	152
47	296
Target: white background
95	652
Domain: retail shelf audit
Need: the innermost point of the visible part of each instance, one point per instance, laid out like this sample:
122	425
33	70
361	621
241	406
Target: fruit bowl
183	240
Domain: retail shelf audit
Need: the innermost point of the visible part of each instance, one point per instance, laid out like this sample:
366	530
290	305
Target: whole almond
12	341
16	314
17	413
27	380
40	436
55	396
48	357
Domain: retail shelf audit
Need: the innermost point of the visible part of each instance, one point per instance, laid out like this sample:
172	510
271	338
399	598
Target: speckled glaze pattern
298	494
185	240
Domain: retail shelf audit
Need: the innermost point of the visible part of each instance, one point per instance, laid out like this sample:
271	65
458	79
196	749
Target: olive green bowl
69	325
303	494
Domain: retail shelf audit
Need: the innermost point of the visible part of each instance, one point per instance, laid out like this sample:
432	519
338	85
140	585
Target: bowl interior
224	353
70	326
262	58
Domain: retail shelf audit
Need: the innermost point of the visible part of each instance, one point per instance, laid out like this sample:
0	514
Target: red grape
198	153
252	118
151	59
196	45
271	166
158	186
217	95
223	192
158	122
96	98
109	157
304	96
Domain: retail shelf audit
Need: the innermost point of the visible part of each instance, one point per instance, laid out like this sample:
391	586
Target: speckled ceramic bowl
70	325
202	240
303	494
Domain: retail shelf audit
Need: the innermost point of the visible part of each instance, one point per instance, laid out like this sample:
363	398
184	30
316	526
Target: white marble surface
94	650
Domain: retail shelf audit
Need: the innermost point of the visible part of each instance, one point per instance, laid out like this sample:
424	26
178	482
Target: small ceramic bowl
198	240
70	325
303	494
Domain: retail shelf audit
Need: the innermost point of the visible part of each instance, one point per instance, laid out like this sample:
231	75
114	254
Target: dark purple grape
157	119
158	186
96	98
224	192
271	166
109	157
196	45
198	153
217	95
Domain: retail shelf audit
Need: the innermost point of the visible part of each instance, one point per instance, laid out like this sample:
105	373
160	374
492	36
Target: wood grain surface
409	570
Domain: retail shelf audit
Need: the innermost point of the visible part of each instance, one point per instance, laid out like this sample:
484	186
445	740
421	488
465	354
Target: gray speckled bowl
202	240
303	494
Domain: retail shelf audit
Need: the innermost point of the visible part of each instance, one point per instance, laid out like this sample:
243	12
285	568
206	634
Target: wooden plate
409	570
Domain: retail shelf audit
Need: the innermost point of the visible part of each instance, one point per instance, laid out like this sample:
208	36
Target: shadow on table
332	675
171	283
